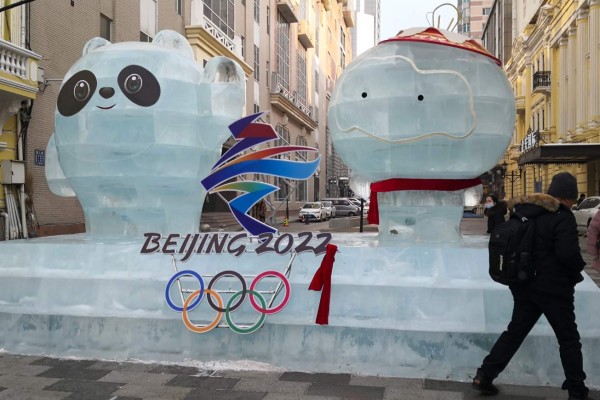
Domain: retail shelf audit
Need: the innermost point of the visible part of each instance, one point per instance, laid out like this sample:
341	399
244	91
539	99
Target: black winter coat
495	215
556	252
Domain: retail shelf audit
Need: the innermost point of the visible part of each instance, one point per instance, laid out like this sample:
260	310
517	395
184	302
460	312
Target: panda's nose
107	92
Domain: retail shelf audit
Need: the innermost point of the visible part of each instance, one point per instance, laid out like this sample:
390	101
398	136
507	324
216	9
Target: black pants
560	313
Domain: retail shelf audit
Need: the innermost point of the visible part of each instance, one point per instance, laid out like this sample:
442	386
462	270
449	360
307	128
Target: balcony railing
13	59
278	86
520	102
218	34
286	8
304	35
541	81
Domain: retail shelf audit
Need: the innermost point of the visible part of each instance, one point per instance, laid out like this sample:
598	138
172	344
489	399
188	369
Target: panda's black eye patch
139	85
76	93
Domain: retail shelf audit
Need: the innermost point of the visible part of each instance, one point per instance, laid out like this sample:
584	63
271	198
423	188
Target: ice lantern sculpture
425	112
138	126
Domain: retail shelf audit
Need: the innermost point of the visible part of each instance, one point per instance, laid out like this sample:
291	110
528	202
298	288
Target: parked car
356	202
344	207
329	209
313	211
586	211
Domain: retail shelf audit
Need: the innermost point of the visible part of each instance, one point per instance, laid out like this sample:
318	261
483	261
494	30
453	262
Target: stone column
562	92
572	82
528	92
581	67
594	79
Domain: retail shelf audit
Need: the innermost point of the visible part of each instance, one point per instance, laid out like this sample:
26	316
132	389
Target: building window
301	74
243	44
283	51
147	20
257	11
282	183
302	9
179	6
342	48
301	186
268	20
256	63
221	13
543	119
256	108
105	27
316	81
317	33
486	10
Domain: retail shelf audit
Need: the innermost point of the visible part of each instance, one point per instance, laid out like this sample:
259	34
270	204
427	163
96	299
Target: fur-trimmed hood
528	204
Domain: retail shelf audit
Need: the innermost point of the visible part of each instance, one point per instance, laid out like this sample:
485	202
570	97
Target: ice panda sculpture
418	118
137	126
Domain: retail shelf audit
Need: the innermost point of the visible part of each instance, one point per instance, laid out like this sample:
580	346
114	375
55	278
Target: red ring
288	289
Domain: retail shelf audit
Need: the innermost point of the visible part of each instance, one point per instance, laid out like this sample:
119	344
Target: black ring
242	297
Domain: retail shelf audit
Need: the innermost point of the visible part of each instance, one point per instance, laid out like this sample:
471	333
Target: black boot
484	384
579	395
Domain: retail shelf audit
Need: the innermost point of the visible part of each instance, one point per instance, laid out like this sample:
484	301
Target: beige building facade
291	51
474	16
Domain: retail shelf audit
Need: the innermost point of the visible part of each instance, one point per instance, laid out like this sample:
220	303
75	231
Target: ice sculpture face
138	125
421	110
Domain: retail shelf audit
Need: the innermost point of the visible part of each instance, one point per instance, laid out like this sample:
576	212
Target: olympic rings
197	296
252	328
288	290
236	305
196	328
172	280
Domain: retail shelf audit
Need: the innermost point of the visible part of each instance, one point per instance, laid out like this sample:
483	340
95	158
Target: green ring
253	328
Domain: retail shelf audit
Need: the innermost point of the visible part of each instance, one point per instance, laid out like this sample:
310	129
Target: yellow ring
209	327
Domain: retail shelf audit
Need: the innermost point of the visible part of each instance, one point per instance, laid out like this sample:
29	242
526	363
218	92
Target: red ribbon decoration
321	282
396	184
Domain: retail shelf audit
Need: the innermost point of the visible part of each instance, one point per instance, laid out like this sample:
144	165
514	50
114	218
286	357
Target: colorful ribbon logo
248	133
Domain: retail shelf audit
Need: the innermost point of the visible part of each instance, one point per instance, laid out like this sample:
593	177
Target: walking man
558	263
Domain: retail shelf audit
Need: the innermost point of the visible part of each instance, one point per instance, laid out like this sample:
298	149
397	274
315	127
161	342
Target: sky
402	14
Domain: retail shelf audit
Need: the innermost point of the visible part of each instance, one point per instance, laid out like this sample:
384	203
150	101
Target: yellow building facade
555	74
19	77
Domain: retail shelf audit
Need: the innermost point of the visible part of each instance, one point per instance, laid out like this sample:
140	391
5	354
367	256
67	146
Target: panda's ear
94	44
174	41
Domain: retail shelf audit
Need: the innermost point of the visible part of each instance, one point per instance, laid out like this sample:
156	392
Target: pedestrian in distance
580	199
558	263
593	234
495	211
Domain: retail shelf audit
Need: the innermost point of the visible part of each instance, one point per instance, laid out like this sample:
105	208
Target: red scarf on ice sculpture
322	282
396	184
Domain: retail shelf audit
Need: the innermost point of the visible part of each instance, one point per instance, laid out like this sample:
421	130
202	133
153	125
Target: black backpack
511	251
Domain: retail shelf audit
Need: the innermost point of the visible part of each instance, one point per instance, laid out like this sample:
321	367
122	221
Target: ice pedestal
419	215
413	310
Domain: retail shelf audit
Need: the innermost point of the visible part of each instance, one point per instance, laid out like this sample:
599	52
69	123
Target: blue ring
172	280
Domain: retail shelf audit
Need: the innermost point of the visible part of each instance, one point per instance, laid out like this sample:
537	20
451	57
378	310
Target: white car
586	211
356	202
329	209
313	211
